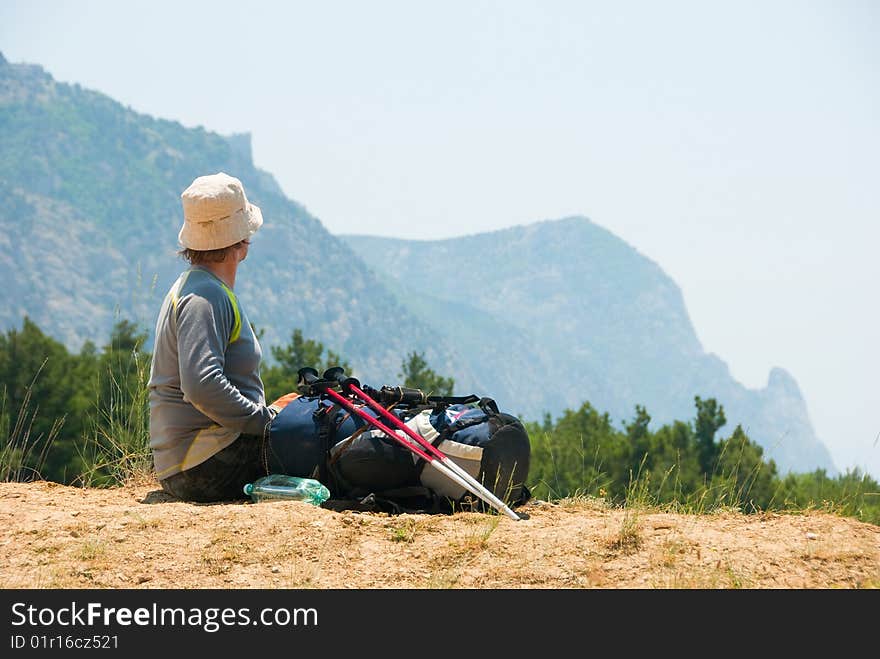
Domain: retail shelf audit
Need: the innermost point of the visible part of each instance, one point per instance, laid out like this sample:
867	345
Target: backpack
365	470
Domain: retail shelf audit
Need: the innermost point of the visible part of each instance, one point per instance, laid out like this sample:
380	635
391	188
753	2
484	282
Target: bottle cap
248	488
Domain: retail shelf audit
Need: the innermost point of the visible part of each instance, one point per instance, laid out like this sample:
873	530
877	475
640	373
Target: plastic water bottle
292	488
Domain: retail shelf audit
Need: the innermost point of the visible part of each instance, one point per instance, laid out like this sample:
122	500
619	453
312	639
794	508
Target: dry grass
629	536
405	531
62	537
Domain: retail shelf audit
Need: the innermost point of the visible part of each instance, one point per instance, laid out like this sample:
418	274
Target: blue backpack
365	470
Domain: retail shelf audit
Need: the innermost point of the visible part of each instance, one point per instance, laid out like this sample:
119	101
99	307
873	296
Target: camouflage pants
222	476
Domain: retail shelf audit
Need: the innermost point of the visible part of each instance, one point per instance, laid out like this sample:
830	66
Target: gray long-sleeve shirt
205	386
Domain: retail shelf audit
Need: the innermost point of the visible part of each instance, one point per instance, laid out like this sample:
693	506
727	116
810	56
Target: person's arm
203	329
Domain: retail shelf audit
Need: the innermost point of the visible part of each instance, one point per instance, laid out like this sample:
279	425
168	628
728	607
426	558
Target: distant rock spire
782	381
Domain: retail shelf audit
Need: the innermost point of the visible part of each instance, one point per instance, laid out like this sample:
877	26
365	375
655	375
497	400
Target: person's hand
280	403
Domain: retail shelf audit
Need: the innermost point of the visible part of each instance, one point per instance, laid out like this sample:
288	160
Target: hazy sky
734	143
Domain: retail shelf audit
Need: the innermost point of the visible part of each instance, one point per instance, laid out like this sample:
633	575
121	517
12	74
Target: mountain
542	317
89	214
559	312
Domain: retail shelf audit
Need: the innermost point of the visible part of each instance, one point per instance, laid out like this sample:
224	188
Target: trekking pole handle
337	373
309	382
307	375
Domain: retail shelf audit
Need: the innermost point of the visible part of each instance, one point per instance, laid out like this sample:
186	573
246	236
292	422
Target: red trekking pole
429	452
436	459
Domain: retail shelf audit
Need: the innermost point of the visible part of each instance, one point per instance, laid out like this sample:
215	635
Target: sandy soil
53	536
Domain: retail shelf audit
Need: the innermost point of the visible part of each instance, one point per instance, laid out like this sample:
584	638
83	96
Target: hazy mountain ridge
543	317
605	323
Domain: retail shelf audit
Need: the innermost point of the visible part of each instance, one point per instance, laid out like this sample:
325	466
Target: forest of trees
82	419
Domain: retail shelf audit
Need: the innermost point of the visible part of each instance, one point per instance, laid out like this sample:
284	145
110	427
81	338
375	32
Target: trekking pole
474	487
309	376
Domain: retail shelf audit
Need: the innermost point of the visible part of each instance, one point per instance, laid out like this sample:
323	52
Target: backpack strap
409	397
489	406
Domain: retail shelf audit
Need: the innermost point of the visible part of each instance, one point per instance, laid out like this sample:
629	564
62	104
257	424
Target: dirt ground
53	536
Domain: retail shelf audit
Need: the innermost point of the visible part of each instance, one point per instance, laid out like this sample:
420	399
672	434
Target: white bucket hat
216	213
